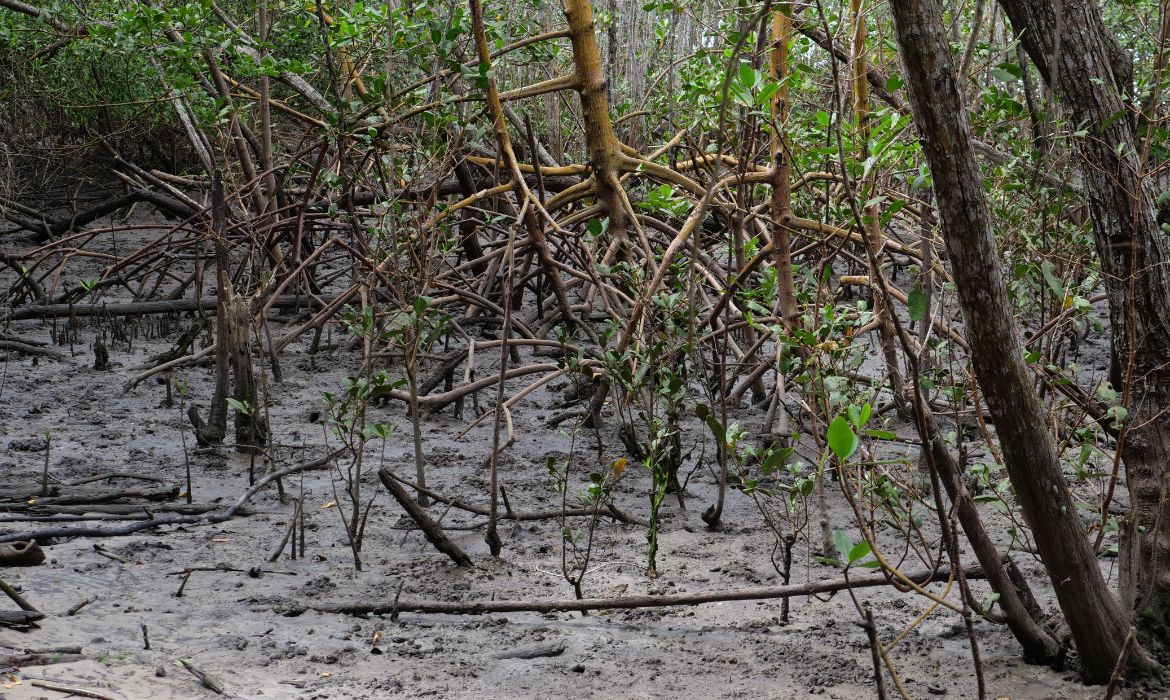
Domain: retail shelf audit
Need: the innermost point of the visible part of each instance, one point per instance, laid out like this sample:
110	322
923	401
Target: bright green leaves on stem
751	88
844	432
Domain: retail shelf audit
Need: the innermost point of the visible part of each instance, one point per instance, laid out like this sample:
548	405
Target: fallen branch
179	519
45	230
618	603
26	349
17	597
204	677
610	510
432	530
22	660
70	690
165	494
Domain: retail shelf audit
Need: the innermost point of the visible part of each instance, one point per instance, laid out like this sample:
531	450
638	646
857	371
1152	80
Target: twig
107	553
78	606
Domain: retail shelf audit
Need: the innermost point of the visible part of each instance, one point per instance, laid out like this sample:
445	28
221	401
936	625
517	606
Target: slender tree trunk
1093	614
1093	76
213	431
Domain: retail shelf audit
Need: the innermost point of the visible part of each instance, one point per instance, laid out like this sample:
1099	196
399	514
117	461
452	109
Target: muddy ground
226	622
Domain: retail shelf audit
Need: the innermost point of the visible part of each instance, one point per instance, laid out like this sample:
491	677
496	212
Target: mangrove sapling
844	441
827	366
414	330
780	491
649	376
854	554
577	547
347	421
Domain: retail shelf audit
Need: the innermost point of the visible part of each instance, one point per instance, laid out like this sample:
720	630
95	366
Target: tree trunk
251	426
1093	614
604	150
1092	75
213	431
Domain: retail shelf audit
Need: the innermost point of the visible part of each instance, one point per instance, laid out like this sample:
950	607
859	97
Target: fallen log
617	603
113	511
26	349
114	475
21	554
141	308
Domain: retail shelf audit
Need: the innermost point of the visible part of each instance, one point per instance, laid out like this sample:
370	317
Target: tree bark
1094	615
604	149
1093	77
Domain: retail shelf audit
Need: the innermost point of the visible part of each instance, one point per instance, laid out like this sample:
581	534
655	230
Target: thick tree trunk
604	149
1093	76
1093	614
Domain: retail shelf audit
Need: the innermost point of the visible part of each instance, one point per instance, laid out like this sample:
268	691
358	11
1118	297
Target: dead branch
620	602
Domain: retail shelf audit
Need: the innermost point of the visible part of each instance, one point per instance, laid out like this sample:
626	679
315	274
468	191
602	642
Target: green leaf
1106	392
1007	72
843	542
916	301
854	415
240	406
776	458
1048	269
747	75
704	414
766	93
858	552
842	440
